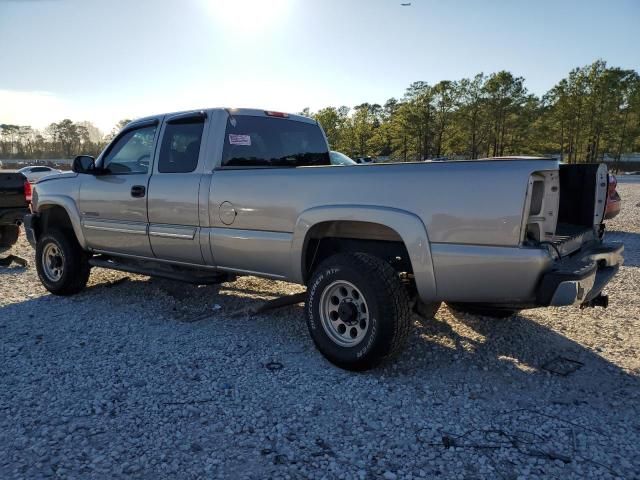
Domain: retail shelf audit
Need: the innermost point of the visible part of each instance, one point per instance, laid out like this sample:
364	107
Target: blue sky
106	60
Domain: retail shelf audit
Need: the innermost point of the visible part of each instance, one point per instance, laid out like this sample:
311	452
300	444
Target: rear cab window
259	142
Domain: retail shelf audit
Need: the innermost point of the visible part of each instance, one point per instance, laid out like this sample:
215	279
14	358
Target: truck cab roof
231	111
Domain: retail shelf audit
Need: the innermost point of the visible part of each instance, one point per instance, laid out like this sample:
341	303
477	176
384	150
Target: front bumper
30	220
579	279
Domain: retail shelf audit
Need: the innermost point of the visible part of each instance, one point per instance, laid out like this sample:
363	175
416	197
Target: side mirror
83	164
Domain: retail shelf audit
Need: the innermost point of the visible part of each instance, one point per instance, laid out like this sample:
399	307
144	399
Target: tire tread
398	293
394	309
78	268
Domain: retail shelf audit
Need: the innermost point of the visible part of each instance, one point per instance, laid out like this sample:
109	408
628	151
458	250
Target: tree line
594	111
63	139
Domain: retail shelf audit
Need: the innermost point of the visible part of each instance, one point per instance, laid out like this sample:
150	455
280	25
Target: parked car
201	195
338	158
364	160
36	172
15	195
614	202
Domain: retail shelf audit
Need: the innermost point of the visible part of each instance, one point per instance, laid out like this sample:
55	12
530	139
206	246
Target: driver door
113	205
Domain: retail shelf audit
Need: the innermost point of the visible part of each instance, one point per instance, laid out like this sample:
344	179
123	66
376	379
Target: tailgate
566	209
12	190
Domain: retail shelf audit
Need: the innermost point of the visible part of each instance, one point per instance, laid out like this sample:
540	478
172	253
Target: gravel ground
152	379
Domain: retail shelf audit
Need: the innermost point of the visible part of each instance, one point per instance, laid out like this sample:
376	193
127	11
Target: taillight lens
28	191
613	184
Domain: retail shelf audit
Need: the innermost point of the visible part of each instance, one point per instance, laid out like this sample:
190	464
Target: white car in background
338	158
37	172
364	160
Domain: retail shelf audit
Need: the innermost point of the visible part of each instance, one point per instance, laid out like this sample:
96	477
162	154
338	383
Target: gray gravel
133	379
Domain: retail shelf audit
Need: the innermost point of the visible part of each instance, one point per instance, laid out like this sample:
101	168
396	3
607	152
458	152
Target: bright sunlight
248	16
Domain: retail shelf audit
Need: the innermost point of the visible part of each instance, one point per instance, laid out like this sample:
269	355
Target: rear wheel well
329	238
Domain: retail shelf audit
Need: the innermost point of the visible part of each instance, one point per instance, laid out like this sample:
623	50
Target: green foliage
595	110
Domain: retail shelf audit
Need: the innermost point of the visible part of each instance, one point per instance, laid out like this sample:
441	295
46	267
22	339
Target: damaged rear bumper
580	279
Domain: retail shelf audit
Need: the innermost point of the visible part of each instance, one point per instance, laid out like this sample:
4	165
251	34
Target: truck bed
13	205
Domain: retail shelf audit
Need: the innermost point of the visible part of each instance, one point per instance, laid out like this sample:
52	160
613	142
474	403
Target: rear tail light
613	184
28	191
537	197
276	114
542	205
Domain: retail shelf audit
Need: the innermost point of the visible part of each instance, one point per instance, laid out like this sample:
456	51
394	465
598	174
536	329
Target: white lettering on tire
372	336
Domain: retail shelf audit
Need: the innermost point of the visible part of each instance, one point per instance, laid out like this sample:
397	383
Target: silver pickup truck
203	196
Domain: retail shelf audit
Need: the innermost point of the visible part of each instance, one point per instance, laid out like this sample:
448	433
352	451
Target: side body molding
48	201
408	226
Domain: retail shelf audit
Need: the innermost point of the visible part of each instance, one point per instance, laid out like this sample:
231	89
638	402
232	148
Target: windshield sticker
239	139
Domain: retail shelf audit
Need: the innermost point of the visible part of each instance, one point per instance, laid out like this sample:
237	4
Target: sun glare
247	16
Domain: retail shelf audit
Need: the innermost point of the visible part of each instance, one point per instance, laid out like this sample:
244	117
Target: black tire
484	310
388	317
426	310
8	236
74	263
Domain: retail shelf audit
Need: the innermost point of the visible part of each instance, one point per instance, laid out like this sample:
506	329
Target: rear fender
407	225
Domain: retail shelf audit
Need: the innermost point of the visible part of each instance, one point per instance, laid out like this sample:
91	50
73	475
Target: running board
188	275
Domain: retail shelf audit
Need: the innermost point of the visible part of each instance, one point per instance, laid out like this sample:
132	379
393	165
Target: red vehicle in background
614	202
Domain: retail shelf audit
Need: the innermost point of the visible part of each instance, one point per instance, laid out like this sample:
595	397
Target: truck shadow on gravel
12	269
515	355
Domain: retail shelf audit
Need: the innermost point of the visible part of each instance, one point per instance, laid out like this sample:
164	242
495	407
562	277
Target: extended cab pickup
205	195
15	192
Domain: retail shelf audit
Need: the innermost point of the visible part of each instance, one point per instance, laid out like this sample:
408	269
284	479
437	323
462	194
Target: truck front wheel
357	310
62	265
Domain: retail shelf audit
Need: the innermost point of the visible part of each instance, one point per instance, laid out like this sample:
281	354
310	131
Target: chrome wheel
52	262
344	313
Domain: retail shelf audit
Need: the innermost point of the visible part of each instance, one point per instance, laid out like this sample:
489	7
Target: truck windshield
252	141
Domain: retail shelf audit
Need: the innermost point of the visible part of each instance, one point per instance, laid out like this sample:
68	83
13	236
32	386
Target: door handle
138	191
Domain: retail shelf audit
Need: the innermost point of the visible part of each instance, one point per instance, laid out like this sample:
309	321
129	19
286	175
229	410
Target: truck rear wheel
8	236
357	310
62	265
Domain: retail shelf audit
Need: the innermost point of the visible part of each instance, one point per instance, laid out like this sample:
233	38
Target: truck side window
252	141
132	152
181	146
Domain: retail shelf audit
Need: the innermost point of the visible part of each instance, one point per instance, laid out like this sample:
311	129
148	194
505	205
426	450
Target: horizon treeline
64	139
593	111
